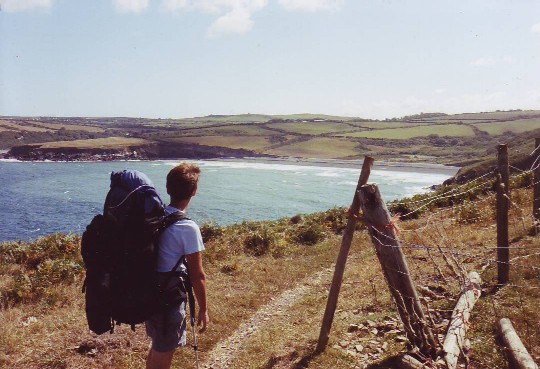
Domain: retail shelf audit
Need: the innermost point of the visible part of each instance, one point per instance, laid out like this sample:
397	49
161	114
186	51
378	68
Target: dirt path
225	351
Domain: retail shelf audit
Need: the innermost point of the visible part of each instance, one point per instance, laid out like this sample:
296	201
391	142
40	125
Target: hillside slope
268	284
461	139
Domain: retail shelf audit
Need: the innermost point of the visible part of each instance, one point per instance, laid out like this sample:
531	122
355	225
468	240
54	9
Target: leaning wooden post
342	259
503	193
536	183
455	336
517	354
396	270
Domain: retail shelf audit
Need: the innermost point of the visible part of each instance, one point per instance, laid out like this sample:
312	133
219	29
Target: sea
42	198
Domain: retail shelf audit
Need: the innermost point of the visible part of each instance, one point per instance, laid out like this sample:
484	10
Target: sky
184	58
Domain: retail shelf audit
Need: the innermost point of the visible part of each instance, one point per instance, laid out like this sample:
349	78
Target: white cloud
311	5
130	6
535	28
237	20
22	5
234	16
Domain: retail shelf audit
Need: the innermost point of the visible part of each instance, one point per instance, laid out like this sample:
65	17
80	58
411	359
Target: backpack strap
169	220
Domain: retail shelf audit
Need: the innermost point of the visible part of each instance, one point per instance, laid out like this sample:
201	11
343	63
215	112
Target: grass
312	128
234	142
102	143
451	130
22	126
69	127
517	126
230	130
385	125
325	148
253	264
461	139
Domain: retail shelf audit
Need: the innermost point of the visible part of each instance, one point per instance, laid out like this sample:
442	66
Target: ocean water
40	198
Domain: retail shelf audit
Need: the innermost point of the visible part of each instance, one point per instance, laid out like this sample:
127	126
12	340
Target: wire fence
444	245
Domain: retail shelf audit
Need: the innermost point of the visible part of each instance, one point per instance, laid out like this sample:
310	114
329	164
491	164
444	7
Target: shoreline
421	167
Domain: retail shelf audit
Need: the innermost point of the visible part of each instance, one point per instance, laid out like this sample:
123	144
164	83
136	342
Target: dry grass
69	127
439	247
451	130
235	142
23	127
99	143
325	148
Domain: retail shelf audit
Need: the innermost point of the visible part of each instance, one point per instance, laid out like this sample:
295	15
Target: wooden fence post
503	193
342	259
395	269
536	183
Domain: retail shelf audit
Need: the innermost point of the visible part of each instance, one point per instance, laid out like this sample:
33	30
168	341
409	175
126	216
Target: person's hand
203	320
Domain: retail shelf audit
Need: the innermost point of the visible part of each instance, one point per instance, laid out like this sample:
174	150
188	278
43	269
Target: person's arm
198	281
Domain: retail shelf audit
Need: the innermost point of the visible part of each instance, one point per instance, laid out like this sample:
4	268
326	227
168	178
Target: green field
312	128
386	125
459	139
451	130
516	126
497	115
229	130
233	142
22	126
101	143
324	148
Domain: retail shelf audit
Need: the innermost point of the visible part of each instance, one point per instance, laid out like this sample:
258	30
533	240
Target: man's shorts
167	329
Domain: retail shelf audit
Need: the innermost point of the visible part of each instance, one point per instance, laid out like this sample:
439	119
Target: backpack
119	249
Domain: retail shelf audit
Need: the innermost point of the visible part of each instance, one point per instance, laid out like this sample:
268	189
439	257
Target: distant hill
460	139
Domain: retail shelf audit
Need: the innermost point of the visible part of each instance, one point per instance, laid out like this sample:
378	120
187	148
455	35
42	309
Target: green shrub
468	213
309	233
38	266
259	240
211	231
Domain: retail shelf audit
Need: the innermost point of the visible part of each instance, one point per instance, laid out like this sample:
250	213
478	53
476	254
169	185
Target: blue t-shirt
181	238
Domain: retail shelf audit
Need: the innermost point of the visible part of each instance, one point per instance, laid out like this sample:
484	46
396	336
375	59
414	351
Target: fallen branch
409	362
455	337
517	353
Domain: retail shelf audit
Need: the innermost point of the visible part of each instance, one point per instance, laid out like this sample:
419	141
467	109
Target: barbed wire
417	246
446	194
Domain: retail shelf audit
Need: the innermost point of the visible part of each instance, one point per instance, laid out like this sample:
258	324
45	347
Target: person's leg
159	360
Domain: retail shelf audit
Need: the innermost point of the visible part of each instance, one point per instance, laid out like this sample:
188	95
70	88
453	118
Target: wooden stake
455	336
342	259
536	182
396	270
503	195
517	353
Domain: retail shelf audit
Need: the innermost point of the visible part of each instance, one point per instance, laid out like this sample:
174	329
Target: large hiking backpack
119	252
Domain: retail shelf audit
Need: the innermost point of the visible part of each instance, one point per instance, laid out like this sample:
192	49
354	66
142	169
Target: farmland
460	139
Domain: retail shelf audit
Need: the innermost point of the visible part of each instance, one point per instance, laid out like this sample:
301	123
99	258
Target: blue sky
184	58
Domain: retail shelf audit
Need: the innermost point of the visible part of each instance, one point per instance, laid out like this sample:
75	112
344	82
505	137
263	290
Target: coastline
420	167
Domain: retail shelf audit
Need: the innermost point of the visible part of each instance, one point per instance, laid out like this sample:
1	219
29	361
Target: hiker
167	328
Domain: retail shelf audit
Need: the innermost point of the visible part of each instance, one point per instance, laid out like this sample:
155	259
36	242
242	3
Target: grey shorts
167	329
